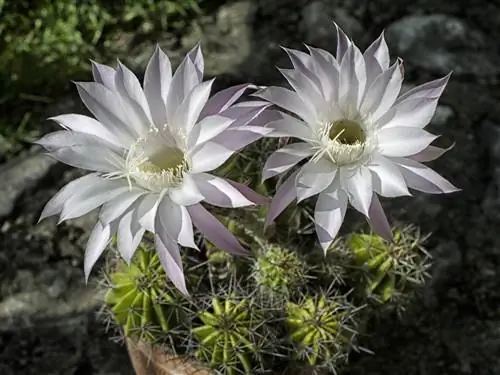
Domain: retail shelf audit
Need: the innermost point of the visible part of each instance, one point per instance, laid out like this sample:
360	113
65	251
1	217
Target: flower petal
97	243
145	211
327	69
214	231
129	236
188	112
387	180
170	259
285	194
430	153
412	112
176	222
314	177
82	151
378	221
285	158
343	43
223	99
234	139
251	195
187	193
218	192
403	141
289	126
329	214
377	58
157	80
116	207
358	185
88	125
197	58
432	89
210	155
208	128
422	178
304	64
103	74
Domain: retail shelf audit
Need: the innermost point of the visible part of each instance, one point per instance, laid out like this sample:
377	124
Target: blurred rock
440	43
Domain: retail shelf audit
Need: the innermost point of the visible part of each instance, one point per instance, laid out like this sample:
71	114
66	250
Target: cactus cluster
283	308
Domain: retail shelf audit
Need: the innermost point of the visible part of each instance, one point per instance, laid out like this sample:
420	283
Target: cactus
226	338
140	299
322	330
390	270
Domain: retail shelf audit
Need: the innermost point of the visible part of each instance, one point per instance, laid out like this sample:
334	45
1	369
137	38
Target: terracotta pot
150	360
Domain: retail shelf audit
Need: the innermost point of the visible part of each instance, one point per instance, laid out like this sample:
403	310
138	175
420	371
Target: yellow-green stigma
347	132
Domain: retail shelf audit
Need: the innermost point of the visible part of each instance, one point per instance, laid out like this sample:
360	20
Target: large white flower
150	150
361	136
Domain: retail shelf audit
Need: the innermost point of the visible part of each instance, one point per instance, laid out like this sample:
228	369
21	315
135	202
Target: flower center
347	132
155	162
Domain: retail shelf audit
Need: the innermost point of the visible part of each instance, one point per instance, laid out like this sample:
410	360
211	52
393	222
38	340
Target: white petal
88	125
288	100
56	203
358	185
157	80
223	99
285	158
384	90
314	177
183	81
327	70
285	194
329	214
97	243
176	222
430	153
82	150
129	87
378	221
170	259
103	74
129	236
116	207
248	113
106	105
187	193
92	197
188	112
289	126
235	138
343	43
422	178
145	212
403	141
432	89
387	179
377	58
209	156
208	128
304	64
219	192
197	58
352	79
416	113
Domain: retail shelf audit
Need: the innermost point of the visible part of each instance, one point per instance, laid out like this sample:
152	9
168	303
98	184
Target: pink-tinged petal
289	126
170	259
403	141
218	192
223	99
91	198
378	220
214	231
207	129
343	43
188	112
196	57
88	125
129	88
103	74
387	180
184	80
377	58
308	92
285	195
107	107
56	203
304	64
176	222
129	236
145	211
422	178
314	177
97	243
358	185
430	153
157	80
432	89
235	139
82	150
187	193
251	195
327	69
247	113
382	93
288	100
117	207
415	113
285	158
329	214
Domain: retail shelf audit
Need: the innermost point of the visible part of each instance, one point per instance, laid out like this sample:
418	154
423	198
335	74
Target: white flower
150	151
361	136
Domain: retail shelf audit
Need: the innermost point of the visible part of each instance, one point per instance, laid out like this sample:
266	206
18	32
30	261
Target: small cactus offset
390	271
